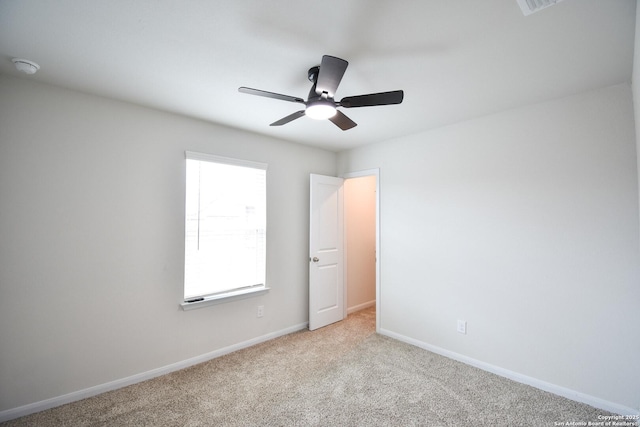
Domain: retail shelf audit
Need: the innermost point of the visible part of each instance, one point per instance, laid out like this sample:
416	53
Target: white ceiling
454	59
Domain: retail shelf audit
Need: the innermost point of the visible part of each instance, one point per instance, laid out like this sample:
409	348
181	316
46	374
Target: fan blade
266	94
331	71
383	98
289	118
342	121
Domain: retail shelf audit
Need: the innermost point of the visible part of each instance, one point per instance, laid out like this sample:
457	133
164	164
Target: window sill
223	298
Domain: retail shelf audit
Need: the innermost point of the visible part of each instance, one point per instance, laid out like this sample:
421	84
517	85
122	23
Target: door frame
358	174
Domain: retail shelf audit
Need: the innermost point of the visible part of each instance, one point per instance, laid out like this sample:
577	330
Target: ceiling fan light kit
320	104
320	110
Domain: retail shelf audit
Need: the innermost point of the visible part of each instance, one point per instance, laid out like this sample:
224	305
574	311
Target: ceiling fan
320	103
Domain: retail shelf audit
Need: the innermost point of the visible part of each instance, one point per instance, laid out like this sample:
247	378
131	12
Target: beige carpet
341	375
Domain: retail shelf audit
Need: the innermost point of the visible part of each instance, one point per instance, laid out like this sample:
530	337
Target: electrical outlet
462	326
260	310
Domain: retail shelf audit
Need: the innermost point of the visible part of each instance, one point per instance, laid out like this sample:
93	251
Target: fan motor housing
313	73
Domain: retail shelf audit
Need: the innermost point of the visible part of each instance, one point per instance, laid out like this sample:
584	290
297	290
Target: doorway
342	282
361	251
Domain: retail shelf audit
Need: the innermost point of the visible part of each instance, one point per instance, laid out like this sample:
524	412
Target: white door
326	281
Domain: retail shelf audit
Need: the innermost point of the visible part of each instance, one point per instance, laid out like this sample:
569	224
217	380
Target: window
225	227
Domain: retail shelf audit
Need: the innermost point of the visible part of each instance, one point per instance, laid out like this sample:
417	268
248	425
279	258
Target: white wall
636	86
524	224
360	242
91	240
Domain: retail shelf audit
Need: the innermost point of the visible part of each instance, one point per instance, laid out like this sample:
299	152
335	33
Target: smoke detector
26	66
530	6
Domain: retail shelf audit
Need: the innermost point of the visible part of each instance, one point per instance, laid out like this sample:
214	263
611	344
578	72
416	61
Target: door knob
316	259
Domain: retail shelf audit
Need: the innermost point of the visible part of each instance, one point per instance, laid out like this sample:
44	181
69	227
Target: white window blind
225	225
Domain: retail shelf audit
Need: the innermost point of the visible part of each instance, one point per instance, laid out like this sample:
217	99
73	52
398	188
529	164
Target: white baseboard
576	396
361	306
42	405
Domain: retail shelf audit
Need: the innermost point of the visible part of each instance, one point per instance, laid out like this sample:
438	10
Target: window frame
235	293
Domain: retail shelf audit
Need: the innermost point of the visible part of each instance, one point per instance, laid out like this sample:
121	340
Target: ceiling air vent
530	6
